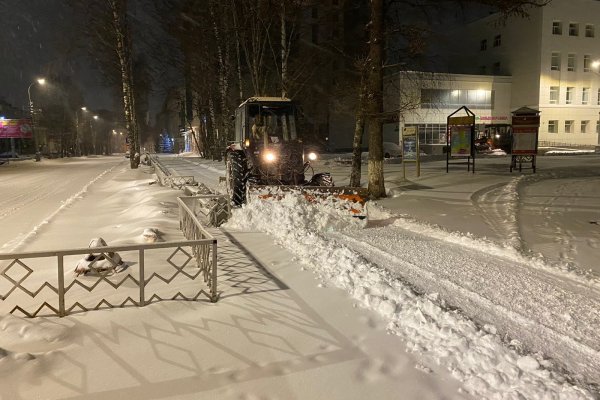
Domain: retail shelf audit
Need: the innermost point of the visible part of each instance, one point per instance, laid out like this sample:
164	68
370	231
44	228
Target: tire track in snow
66	203
498	204
524	303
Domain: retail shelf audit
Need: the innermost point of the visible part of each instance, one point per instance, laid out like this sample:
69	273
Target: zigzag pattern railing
204	252
166	179
209	209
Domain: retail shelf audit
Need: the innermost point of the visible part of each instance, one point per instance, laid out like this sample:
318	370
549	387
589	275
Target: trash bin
38	156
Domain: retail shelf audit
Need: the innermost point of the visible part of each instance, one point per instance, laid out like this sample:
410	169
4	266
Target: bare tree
107	27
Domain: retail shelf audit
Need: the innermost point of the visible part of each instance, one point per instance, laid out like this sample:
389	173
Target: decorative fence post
61	286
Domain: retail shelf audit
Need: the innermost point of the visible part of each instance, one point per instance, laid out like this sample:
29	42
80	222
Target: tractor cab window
273	124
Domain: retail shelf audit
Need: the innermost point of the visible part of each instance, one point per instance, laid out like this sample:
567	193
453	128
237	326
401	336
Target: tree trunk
284	52
238	54
359	128
375	101
119	14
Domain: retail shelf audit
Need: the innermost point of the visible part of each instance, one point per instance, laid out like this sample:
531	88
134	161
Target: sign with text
410	144
525	134
460	140
524	140
15	129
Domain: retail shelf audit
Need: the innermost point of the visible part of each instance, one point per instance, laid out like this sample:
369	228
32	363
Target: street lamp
93	130
41	82
596	66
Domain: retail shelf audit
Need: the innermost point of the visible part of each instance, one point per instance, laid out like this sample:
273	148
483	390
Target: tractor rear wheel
236	178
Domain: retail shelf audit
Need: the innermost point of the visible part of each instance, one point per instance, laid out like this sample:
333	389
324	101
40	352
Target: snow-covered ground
455	266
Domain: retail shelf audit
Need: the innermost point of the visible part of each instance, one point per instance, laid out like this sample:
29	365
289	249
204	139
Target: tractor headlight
270	156
312	156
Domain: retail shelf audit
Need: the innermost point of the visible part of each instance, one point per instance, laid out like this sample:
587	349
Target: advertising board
15	128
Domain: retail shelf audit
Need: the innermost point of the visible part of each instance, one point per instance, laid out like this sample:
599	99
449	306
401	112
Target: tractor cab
263	121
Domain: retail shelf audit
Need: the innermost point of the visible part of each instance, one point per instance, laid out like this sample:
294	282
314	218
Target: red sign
15	128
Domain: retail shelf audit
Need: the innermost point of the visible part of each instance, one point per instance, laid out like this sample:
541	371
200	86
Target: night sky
39	36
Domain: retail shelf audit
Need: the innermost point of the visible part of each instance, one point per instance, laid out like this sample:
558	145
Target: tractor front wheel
236	178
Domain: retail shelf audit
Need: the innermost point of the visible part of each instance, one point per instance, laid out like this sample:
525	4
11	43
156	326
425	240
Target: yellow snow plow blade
351	199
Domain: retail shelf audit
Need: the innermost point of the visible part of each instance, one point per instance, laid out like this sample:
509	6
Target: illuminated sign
15	128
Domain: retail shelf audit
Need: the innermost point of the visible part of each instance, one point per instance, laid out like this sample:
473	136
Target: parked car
391	150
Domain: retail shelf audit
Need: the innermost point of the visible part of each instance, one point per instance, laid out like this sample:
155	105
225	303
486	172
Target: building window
589	30
553	126
598	101
584	126
571	58
496	68
554	94
555	62
483	45
573	29
597	126
570	95
315	33
315	12
447	98
585	95
587	62
497	40
569	126
557	28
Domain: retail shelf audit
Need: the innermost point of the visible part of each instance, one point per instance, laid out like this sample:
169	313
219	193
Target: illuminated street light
42	82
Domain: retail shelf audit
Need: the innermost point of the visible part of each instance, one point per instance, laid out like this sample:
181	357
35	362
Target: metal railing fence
16	276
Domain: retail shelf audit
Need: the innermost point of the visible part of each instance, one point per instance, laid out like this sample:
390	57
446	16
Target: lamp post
40	81
92	127
595	68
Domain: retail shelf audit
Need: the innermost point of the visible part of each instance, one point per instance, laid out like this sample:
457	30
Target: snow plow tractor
268	160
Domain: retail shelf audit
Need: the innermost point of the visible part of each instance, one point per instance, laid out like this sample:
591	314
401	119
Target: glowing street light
41	82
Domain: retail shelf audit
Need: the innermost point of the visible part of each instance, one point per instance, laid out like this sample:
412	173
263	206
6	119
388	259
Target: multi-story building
553	58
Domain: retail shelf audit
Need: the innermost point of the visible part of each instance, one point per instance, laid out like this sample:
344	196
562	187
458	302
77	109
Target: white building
426	100
550	57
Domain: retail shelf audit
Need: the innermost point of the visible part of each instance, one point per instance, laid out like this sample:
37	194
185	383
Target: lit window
589	30
483	45
573	29
587	62
554	94
569	126
555	62
571	58
497	40
585	95
557	28
584	126
570	95
553	126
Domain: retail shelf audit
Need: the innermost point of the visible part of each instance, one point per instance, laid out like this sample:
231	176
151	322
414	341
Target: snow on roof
265	99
